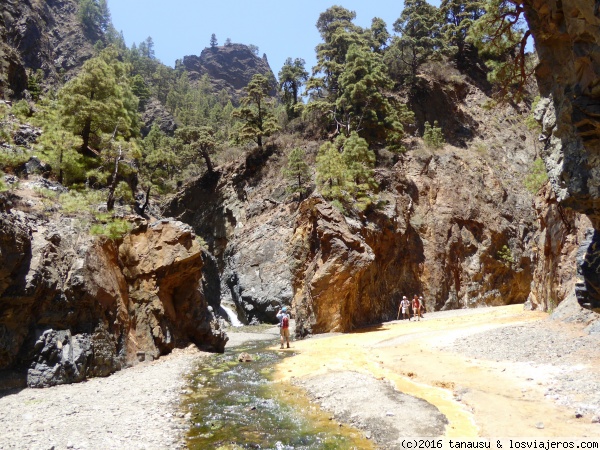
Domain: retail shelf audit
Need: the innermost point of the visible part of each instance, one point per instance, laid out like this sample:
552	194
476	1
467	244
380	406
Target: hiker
416	305
284	326
423	308
405	305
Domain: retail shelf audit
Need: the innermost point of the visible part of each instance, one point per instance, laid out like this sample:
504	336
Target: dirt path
490	372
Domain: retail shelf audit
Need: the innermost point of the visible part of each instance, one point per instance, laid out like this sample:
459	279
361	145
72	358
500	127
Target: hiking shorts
285	332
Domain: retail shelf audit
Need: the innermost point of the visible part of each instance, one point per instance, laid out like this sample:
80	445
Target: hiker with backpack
284	326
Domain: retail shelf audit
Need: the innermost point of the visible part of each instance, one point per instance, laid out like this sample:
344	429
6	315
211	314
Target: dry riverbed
495	372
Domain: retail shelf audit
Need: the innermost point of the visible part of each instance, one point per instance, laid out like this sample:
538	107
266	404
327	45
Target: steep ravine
445	218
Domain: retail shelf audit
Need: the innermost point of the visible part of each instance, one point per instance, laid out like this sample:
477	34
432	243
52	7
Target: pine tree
419	27
433	136
213	41
291	78
201	140
363	104
331	173
256	112
501	36
99	100
297	172
459	16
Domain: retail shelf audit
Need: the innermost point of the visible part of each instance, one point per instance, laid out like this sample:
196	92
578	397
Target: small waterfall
232	317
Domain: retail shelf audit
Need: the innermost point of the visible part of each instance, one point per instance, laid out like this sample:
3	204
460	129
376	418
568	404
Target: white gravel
136	408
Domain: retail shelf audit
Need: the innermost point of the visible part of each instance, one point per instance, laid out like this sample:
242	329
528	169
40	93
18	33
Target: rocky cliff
567	39
73	307
40	35
229	67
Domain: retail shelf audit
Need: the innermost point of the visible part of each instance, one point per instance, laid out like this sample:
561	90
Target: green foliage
99	100
256	112
198	141
94	15
160	163
297	173
34	83
76	202
537	176
419	28
505	256
350	87
433	136
9	160
459	16
112	229
331	173
345	172
140	89
21	110
501	36
213	40
291	78
362	104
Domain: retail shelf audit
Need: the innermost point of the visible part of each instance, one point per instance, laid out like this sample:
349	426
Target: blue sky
279	29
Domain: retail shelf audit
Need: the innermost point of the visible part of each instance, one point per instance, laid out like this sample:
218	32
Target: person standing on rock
405	305
416	306
284	326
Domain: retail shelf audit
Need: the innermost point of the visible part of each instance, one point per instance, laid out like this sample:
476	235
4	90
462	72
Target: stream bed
236	405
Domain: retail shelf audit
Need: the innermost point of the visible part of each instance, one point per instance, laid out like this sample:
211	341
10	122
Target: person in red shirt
284	326
416	306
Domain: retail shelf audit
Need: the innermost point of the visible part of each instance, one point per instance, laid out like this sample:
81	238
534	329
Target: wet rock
245	357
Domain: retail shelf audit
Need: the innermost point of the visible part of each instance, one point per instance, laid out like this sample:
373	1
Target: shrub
433	136
505	256
113	229
537	176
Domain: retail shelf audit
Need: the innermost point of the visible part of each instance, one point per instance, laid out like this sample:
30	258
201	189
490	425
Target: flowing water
234	405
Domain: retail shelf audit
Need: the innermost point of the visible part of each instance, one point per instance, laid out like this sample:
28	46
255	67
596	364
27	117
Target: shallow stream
235	405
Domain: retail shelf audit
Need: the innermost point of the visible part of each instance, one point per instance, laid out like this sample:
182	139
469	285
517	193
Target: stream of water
235	405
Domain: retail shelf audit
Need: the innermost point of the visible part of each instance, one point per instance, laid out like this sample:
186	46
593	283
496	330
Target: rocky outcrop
155	114
567	40
247	228
72	307
460	244
41	35
229	68
554	248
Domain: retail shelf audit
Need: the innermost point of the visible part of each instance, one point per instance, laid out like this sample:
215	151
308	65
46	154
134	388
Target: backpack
285	322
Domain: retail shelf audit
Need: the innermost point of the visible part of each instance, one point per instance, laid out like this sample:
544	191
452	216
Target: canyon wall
72	307
567	39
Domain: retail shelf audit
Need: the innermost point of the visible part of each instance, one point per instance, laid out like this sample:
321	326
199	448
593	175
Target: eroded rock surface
567	39
73	307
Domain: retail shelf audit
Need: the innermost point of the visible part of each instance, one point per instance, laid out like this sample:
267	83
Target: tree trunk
207	160
85	135
110	202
